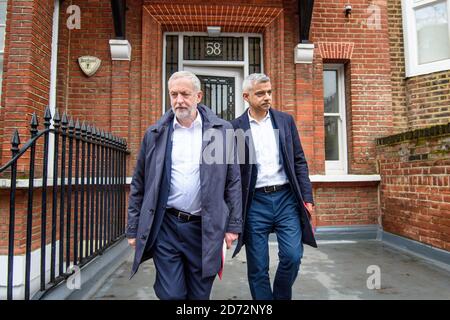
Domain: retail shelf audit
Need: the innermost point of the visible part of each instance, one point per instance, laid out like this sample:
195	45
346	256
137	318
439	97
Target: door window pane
331	98
219	95
432	33
331	138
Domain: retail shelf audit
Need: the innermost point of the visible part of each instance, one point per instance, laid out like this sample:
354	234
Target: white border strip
23	183
345	178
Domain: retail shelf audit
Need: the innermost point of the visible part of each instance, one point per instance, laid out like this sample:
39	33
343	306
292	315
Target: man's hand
229	238
310	208
132	242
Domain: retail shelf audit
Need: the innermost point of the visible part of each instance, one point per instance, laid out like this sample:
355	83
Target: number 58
213	49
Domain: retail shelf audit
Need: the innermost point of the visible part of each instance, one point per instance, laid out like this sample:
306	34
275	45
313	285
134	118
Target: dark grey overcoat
220	189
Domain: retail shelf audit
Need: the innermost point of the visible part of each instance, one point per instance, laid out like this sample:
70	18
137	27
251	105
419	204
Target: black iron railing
87	191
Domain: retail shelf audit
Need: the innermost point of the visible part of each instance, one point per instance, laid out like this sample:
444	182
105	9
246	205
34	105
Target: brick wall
298	91
298	87
20	221
418	101
348	205
415	186
100	165
26	72
151	71
125	96
428	99
111	99
415	165
85	97
396	48
273	56
364	48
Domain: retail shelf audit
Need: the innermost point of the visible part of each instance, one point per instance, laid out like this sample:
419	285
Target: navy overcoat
294	163
220	189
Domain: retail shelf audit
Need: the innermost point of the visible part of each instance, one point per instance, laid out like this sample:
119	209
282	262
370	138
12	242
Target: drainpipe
304	49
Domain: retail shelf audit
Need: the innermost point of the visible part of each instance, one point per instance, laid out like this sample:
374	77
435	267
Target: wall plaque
89	64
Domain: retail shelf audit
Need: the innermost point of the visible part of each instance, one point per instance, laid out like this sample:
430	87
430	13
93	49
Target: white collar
197	122
253	119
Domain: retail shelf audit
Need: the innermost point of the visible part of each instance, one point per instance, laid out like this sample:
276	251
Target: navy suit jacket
294	164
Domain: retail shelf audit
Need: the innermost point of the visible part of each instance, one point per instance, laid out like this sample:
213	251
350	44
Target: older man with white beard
181	208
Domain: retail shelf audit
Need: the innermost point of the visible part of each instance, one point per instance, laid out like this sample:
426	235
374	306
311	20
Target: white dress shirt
270	168
185	175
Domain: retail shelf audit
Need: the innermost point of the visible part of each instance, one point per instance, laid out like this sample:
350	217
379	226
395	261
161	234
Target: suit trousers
178	261
273	212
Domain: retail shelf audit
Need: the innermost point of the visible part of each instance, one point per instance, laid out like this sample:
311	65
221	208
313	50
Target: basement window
426	30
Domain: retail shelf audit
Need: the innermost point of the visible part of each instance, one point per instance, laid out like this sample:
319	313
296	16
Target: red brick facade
348	205
414	191
415	188
365	51
125	97
26	68
419	101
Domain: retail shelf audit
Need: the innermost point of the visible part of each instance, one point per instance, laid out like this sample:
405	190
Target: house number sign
213	48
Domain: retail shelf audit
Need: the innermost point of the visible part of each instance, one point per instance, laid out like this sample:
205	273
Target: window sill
346	178
415	71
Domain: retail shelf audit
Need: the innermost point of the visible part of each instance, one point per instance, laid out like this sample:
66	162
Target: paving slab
337	270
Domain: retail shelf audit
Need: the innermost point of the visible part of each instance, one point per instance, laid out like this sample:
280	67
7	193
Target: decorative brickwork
335	50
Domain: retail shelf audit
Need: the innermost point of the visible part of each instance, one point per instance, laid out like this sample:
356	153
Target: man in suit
276	191
183	205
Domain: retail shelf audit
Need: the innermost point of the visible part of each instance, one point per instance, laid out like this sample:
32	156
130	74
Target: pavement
340	269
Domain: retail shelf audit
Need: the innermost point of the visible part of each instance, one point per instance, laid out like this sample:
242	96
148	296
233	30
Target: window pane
2	11
432	33
171	62
331	138
2	38
330	97
213	48
219	95
254	55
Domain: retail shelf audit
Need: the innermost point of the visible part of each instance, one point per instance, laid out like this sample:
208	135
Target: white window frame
410	40
216	63
339	167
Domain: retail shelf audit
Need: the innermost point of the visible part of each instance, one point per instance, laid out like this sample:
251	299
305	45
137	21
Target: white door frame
243	65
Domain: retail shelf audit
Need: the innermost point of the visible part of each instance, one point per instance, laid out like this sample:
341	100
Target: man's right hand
132	242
